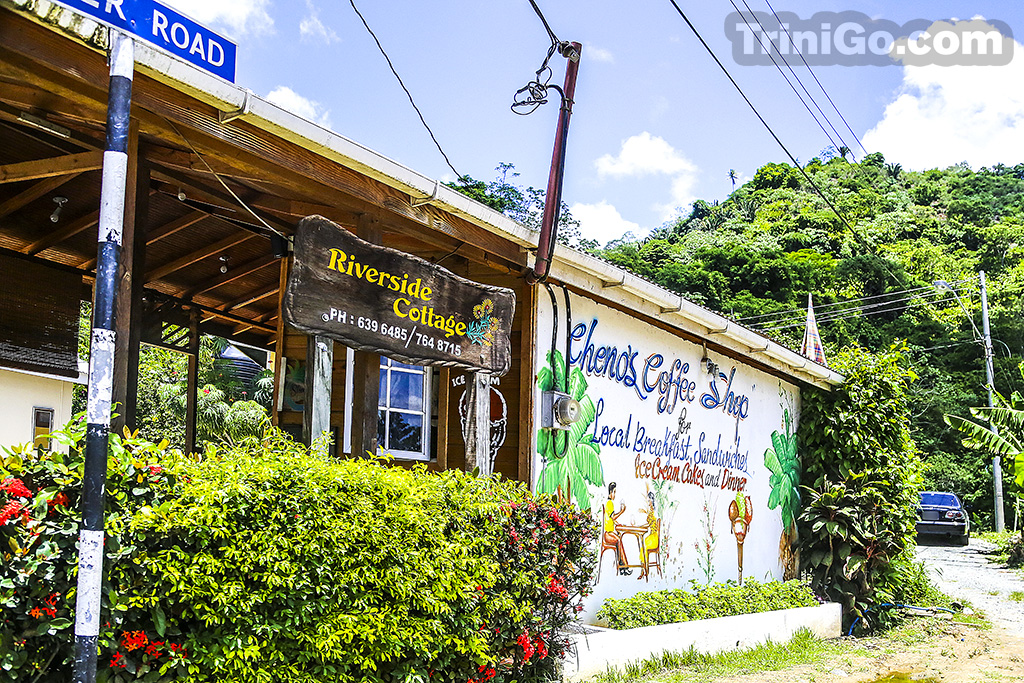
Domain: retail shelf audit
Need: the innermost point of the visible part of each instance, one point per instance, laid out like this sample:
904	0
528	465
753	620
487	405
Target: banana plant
1005	437
571	458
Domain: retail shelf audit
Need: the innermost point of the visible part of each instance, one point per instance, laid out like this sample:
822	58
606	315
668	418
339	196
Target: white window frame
426	411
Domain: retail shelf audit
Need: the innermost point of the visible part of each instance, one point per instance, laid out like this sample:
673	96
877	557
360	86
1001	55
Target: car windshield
940	499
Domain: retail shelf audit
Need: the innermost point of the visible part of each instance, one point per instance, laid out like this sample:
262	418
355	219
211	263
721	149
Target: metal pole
553	195
997	470
101	358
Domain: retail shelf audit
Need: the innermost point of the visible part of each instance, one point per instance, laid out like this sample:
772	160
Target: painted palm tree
571	458
733	176
844	151
783	462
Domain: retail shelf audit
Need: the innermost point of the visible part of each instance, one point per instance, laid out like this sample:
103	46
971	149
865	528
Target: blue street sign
167	29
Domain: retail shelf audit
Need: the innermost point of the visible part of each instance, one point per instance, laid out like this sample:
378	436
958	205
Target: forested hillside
757	255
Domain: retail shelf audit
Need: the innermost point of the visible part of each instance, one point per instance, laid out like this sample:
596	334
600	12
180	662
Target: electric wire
768	51
835	316
843	314
796	316
535	93
845	302
791	42
221	181
771	132
407	93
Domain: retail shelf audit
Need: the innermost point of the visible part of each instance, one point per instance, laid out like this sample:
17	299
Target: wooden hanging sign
381	300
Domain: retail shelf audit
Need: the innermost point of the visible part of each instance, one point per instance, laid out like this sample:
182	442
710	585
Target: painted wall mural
687	459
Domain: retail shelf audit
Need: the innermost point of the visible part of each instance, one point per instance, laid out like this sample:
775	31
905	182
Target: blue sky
655	125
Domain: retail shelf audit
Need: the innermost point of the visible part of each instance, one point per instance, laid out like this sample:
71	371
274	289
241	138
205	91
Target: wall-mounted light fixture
60	202
223	264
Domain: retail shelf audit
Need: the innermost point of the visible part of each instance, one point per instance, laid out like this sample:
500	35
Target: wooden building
218	180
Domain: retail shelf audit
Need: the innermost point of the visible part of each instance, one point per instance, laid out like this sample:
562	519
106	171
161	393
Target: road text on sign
167	29
381	300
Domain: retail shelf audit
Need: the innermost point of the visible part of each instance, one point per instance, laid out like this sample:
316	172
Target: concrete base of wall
609	648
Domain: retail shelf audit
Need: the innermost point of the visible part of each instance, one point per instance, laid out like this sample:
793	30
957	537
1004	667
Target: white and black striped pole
101	357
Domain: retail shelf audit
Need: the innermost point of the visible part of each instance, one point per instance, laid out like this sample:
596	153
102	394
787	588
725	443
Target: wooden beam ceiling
207	251
55	166
30	194
68	230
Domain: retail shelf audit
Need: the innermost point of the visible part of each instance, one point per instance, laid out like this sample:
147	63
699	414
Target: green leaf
160	621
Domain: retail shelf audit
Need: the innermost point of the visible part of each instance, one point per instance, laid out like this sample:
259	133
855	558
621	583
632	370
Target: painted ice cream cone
740	513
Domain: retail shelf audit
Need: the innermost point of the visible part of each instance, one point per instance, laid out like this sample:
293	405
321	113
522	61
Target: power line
764	31
792	43
864	311
407	93
785	149
844	302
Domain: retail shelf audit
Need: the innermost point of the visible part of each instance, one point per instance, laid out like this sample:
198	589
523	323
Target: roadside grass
1009	549
804	649
1017	596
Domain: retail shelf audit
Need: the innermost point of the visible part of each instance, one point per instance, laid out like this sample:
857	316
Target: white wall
20	392
693	442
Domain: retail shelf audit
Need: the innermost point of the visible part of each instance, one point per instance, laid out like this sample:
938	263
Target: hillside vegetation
755	257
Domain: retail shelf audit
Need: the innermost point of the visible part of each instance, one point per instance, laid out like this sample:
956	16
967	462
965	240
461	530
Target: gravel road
966	573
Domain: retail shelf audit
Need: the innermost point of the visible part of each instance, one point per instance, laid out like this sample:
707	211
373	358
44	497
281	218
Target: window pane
406	391
406	432
381	441
406	366
382	391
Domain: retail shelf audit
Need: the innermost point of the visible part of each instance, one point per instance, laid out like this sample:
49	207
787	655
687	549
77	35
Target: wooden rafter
55	166
33	193
253	297
233	274
67	231
242	302
217	196
198	255
168	229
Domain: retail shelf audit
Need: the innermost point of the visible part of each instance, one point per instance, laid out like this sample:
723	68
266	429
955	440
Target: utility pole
997	470
101	358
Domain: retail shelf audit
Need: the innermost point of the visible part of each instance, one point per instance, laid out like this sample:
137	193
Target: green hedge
268	562
705	602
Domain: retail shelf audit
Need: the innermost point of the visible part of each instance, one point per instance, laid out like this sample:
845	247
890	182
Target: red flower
117	661
35	613
16	487
59	499
133	640
154	469
12	509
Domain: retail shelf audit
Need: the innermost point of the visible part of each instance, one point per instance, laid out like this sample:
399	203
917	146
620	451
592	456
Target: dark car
941	514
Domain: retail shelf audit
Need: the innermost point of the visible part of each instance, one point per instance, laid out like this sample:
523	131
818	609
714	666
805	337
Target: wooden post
130	281
478	425
527	381
365	372
279	371
192	383
316	418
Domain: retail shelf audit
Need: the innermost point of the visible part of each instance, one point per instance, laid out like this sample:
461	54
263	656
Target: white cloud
683	195
644	154
286	98
602	222
597	54
311	26
241	17
943	115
